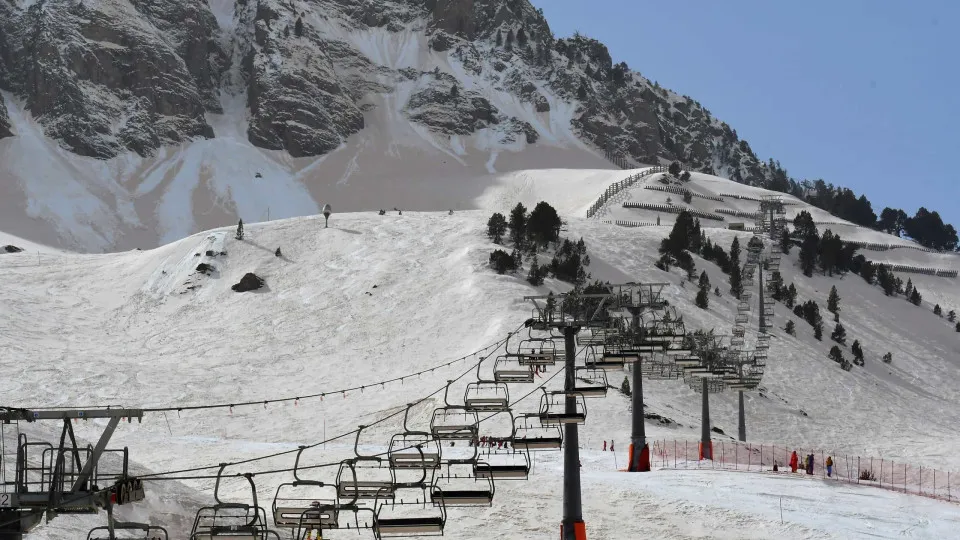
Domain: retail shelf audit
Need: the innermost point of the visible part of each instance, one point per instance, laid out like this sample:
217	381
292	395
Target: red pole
920	490
881	471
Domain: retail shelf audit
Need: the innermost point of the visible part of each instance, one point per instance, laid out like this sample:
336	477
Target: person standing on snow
794	461
611	445
604	445
810	464
829	464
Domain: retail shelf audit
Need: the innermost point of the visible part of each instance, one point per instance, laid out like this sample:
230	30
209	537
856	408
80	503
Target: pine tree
716	291
240	230
496	227
510	39
499	38
790	328
286	31
791	297
625	386
582	92
703	299
915	297
839	334
517	258
952	316
958	327
298	27
836	354
937	311
833	302
521	37
278	253
909	291
808	254
857	353
785	243
888	358
518	224
535	276
736	278
704	282
454	91
818	331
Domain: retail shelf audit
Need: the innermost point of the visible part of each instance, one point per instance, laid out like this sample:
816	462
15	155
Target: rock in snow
12	249
249	282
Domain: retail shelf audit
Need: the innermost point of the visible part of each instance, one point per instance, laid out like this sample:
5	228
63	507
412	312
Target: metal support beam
638	436
95	455
706	450
572	527
742	421
62	414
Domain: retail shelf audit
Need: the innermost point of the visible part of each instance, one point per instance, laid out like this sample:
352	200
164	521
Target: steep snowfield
377	297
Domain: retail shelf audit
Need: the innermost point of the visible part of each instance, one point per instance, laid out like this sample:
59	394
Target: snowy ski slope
377	297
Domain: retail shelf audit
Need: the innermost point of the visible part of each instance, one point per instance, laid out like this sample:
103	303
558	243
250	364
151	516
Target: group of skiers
490	442
605	446
808	463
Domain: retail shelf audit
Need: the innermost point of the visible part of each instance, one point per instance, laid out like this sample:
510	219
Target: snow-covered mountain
131	123
376	297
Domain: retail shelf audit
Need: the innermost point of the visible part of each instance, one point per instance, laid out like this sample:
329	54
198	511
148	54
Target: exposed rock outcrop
249	282
298	105
102	79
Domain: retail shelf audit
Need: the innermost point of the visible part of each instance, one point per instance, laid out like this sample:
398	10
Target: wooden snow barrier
737	213
907	269
682	191
620	186
882	473
672	210
624	223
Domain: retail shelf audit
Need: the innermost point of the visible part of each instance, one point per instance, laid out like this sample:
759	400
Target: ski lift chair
593	356
486	395
413	449
232	521
590	382
306	505
458	486
503	465
510	370
453	422
121	530
553	408
365	477
530	434
534	353
411	512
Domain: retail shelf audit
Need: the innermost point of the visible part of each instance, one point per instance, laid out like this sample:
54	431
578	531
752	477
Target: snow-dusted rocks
10	249
104	79
249	282
297	100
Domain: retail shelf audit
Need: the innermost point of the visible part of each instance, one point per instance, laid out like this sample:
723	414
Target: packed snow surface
375	297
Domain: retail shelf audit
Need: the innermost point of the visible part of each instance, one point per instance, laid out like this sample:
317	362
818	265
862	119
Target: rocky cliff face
113	76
